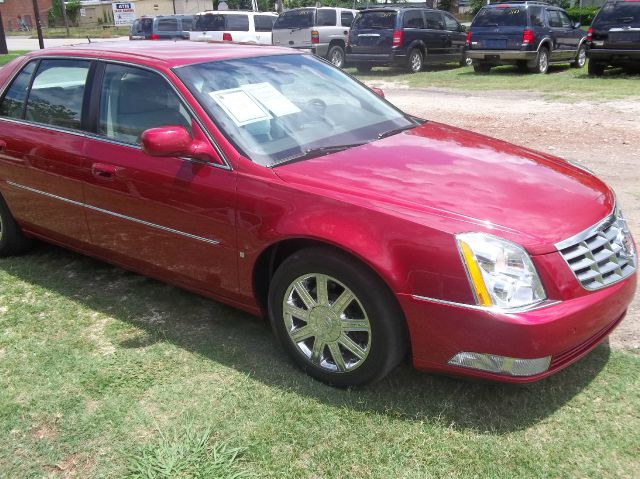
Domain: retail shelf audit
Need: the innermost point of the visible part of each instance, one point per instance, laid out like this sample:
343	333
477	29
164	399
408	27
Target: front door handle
104	171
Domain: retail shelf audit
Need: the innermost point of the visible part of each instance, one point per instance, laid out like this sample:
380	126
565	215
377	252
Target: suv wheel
596	68
481	67
363	68
581	57
542	61
337	320
415	61
336	56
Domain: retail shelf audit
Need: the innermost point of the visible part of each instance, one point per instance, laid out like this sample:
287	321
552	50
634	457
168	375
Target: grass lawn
83	32
562	82
104	373
4	59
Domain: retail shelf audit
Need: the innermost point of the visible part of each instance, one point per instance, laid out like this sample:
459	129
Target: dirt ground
602	135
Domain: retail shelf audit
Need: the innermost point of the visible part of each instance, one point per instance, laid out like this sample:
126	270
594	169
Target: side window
12	104
326	18
57	92
451	24
535	15
412	19
564	18
554	19
187	24
126	108
237	23
264	23
346	19
167	24
434	21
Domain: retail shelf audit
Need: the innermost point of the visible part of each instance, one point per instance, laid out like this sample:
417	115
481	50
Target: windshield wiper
385	134
315	152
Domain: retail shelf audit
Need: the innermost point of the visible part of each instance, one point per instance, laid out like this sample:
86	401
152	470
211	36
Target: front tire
415	61
336	319
581	57
336	56
12	240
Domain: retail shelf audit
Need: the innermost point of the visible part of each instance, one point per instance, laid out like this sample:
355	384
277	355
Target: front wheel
581	57
415	61
336	56
337	320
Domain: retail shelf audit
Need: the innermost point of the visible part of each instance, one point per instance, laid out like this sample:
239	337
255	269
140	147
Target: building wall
10	10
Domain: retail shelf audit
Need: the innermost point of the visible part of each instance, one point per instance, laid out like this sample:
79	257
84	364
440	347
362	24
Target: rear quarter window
326	18
434	21
346	19
501	17
237	23
12	105
375	20
413	19
264	23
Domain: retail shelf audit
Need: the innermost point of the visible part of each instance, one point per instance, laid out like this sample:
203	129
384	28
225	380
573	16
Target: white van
233	26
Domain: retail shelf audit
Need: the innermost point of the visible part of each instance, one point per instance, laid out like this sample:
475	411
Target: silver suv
324	31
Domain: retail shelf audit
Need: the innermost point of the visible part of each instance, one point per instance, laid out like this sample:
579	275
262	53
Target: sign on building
124	13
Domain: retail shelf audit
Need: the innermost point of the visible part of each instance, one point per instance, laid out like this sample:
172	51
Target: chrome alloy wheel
416	62
543	62
337	58
327	323
582	57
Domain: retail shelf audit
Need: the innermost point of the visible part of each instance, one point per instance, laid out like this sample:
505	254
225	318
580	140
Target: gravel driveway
602	135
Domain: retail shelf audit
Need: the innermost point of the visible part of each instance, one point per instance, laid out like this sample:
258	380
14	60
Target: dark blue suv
532	35
404	36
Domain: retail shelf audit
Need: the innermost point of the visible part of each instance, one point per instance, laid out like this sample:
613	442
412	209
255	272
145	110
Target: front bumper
565	331
608	54
500	56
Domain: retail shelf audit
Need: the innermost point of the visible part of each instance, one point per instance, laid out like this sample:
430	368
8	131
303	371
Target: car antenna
89	39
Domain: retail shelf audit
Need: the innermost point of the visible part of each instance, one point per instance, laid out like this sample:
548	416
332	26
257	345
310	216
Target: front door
173	217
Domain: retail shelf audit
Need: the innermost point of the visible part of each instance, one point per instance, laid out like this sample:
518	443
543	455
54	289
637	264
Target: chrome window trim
59	129
113	213
489	309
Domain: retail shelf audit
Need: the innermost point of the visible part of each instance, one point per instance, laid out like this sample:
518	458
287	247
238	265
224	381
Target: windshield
295	19
618	14
375	21
280	108
501	17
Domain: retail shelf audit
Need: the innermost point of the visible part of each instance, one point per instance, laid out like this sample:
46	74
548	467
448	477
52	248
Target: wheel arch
547	43
337	42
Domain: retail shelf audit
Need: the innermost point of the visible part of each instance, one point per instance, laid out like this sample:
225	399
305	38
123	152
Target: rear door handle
104	171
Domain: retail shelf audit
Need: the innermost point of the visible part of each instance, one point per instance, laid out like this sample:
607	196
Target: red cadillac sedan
270	180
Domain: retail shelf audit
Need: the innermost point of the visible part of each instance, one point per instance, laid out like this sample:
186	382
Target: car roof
167	54
398	8
234	12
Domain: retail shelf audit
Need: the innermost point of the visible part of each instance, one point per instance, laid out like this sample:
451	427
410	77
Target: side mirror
577	25
378	91
173	141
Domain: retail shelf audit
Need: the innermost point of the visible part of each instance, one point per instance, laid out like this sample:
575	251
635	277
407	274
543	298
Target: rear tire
353	333
362	68
336	56
481	67
12	240
541	64
581	57
595	68
415	61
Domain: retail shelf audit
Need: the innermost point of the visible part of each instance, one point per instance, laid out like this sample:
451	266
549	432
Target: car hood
457	180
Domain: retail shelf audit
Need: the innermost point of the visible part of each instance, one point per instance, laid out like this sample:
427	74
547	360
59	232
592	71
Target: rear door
161	214
293	28
561	34
372	31
499	28
42	117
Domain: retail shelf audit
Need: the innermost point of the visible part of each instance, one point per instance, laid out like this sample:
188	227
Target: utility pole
36	14
3	40
64	15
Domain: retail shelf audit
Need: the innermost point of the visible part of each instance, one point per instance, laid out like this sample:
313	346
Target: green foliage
584	15
476	5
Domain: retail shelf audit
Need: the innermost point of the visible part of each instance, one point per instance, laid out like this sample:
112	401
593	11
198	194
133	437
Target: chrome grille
601	255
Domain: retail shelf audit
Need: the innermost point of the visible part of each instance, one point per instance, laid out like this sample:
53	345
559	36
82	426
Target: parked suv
322	30
236	26
162	27
404	36
531	35
614	37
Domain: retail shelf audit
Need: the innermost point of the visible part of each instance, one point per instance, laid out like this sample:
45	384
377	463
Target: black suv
531	35
404	36
614	37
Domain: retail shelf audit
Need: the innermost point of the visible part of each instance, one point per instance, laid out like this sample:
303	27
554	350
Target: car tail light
502	5
226	37
468	41
315	36
590	34
527	37
154	36
397	38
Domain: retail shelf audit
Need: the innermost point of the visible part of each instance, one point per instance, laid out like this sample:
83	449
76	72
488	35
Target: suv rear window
295	19
622	14
375	20
501	17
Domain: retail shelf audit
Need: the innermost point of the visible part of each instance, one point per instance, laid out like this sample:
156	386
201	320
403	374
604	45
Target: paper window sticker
241	107
271	99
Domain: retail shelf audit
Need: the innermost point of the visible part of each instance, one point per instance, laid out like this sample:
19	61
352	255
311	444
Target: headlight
500	272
